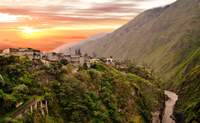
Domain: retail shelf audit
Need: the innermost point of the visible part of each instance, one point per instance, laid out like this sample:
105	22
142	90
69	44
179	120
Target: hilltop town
75	58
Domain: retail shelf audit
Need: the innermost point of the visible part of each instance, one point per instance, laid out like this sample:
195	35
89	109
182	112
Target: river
169	106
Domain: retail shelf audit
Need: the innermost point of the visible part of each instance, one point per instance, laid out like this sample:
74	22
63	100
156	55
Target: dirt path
169	106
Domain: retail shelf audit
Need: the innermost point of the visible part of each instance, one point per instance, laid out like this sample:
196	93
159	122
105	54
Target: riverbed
169	106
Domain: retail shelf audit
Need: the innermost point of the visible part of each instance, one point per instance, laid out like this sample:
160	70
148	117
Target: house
109	61
37	55
52	57
10	51
29	52
66	57
75	59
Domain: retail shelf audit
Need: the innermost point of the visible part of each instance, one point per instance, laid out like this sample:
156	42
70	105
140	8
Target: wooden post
36	106
46	106
31	109
25	111
41	106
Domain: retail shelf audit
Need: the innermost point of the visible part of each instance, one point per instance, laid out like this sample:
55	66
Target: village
75	58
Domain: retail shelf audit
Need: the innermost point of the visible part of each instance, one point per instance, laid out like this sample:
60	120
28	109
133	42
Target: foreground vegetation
99	94
189	96
186	78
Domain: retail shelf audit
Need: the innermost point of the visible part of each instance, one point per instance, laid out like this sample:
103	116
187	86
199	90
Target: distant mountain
65	48
166	38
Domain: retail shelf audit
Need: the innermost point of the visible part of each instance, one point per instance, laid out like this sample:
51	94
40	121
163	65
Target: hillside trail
169	106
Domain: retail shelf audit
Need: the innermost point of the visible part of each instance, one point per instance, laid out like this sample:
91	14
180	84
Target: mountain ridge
155	37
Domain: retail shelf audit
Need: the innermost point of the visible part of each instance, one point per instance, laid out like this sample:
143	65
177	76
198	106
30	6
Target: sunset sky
47	24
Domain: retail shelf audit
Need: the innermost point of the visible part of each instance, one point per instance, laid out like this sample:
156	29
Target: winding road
169	107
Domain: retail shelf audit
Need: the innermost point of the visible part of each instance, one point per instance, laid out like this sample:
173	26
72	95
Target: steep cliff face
162	37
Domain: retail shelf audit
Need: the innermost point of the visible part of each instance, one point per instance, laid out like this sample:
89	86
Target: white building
76	60
10	51
109	61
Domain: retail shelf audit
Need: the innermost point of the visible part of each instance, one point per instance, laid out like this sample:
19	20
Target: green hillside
100	94
164	38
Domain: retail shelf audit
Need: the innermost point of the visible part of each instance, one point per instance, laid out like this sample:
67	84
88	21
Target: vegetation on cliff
98	94
189	96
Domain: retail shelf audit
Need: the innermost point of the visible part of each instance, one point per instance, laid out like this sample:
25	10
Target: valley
146	71
165	40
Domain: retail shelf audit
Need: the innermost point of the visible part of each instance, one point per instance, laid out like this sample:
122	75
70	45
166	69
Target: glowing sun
29	30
